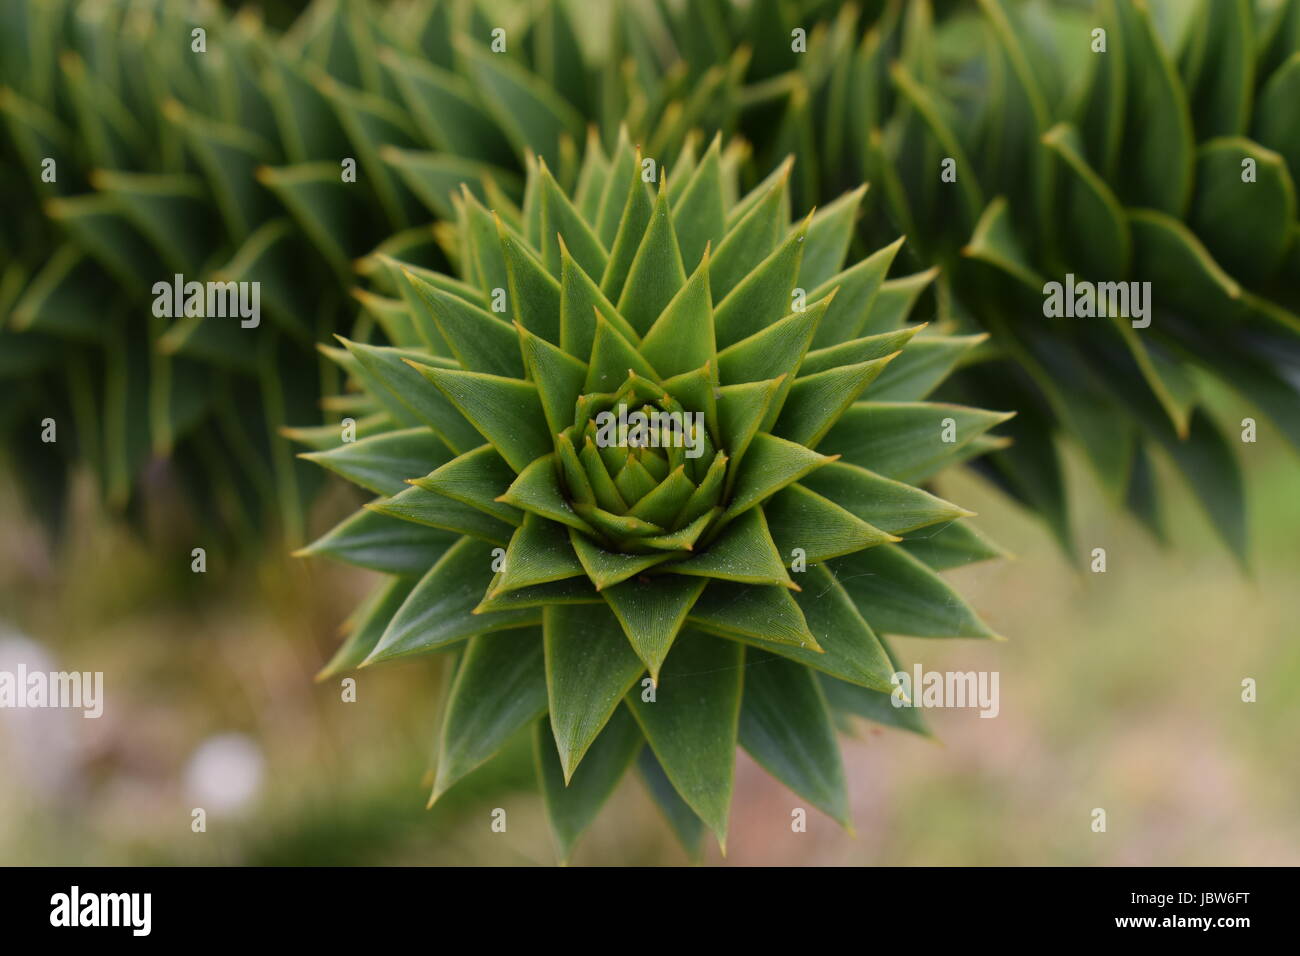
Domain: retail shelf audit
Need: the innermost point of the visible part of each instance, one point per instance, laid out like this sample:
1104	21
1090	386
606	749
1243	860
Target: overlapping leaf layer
221	158
1108	141
720	578
1113	166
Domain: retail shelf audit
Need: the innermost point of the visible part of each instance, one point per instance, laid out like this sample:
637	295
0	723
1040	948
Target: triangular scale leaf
476	478
382	463
506	411
437	613
559	378
651	611
815	402
571	805
763	295
785	724
539	553
499	688
817	526
681	339
692	724
589	668
892	506
771	464
481	341
537	490
898	594
438	511
742	552
656	274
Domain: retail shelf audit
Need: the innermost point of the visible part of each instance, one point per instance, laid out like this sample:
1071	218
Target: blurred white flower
43	744
224	774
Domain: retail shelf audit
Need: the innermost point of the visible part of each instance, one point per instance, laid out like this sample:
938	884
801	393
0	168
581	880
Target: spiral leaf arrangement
648	470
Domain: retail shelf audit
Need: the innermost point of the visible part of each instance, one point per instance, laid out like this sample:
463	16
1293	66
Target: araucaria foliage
670	592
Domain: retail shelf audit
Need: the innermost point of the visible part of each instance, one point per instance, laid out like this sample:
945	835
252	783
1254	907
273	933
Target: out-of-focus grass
1119	690
187	656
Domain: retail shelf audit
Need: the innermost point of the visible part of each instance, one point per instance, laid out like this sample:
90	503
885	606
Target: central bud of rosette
642	470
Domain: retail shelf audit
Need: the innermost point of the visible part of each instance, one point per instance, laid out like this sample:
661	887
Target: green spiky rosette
649	469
